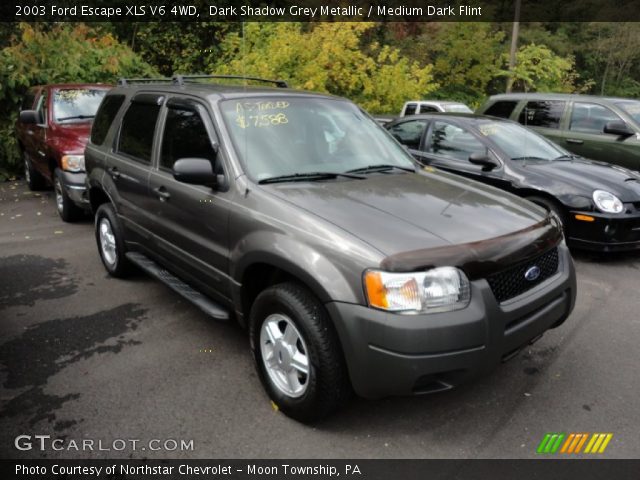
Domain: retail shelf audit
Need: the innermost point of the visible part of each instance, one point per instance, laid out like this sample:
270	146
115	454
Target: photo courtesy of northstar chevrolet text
306	239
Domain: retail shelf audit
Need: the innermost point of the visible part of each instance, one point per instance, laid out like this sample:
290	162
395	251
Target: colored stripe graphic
573	443
598	443
550	443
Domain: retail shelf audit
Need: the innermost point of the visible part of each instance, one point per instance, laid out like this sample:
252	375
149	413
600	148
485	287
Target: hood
71	137
397	213
585	176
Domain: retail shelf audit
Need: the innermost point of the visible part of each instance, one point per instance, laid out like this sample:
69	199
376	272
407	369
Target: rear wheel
68	211
34	180
297	352
111	241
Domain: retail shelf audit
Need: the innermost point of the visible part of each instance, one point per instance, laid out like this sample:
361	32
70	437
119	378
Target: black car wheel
68	211
34	180
111	241
297	352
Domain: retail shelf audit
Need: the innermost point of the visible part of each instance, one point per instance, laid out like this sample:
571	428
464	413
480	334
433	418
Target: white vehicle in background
416	107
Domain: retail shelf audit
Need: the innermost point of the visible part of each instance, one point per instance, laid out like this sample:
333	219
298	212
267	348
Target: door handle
115	174
575	141
162	193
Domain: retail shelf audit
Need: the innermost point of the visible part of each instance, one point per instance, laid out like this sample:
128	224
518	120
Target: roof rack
181	79
128	81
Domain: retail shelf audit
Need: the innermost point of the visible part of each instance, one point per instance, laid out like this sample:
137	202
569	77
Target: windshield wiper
74	117
532	158
567	157
309	176
380	168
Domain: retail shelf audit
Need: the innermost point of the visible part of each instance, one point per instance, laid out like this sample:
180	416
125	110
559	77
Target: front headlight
441	289
73	163
607	202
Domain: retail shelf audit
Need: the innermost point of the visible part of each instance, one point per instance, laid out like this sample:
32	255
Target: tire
282	312
111	242
34	180
67	209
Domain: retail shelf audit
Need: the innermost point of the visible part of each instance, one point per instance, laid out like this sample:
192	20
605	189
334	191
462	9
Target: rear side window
138	127
427	109
409	133
185	136
410	109
546	113
502	109
104	118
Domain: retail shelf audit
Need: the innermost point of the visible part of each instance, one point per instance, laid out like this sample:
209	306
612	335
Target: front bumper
391	354
75	187
607	233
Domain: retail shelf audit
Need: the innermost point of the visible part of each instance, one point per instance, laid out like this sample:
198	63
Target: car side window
137	130
42	108
453	142
410	109
502	109
185	136
427	109
542	113
591	118
104	118
409	133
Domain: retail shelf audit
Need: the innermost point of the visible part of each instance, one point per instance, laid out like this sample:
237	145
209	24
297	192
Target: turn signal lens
73	163
585	218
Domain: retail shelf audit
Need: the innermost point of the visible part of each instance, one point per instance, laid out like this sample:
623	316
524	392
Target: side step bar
205	304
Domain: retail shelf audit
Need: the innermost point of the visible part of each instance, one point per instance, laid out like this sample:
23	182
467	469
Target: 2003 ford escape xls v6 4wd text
296	214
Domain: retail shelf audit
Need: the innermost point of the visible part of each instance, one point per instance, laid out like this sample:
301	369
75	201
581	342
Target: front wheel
297	352
68	211
34	180
111	241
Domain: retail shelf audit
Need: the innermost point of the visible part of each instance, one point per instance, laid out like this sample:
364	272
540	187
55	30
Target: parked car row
598	203
352	266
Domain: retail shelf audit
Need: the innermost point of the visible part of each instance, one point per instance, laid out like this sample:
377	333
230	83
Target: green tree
50	54
539	69
467	57
327	57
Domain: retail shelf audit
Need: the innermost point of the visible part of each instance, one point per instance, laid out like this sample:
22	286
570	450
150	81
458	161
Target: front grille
512	282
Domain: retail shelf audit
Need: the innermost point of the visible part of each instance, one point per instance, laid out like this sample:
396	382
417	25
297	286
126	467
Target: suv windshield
632	108
291	136
76	104
520	143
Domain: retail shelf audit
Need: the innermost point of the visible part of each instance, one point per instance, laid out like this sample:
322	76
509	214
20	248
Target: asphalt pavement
87	357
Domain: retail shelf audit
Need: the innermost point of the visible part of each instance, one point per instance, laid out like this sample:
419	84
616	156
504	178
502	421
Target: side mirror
195	171
618	127
484	160
29	117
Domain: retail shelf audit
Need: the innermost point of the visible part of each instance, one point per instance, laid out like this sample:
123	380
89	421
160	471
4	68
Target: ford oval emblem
532	273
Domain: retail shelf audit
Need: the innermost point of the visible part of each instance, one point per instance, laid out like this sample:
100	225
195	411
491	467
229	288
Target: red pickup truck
52	131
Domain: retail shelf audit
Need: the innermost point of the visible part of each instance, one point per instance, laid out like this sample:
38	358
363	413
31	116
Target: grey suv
297	215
